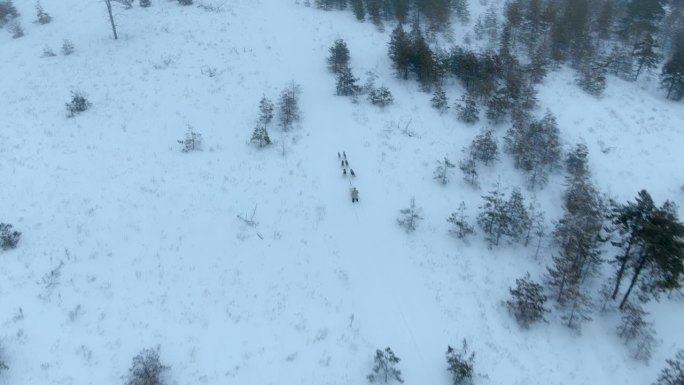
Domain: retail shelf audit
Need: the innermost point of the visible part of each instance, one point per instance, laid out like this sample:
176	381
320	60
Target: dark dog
338	155
351	171
344	172
344	154
342	163
346	163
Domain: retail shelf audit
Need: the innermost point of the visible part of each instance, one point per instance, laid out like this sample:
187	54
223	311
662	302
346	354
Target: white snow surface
154	254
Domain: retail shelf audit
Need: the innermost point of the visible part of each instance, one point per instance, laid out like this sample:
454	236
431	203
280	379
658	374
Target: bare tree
111	17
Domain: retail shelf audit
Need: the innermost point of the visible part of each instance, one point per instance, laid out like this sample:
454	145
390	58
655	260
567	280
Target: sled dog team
344	163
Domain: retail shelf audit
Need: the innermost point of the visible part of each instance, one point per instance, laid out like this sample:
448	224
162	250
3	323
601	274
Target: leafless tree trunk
111	17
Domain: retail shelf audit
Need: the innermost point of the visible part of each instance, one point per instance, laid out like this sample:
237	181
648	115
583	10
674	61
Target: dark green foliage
576	161
346	83
384	367
518	217
641	17
484	148
652	243
645	54
78	104
423	62
380	96
672	77
460	221
400	52
673	373
469	169
185	2
8	238
591	77
461	365
358	9
339	57
146	369
535	147
467	110
527	302
42	17
7	12
145	3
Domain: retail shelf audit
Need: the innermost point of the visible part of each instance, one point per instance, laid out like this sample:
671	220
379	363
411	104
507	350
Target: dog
338	156
344	154
346	163
342	163
351	171
344	172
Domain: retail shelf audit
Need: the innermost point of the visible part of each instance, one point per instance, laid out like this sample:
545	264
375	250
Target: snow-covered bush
185	2
8	237
42	17
78	104
461	364
380	96
192	141
146	368
67	47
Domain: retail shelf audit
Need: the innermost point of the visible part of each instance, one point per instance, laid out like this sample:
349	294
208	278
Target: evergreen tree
467	110
535	146
265	111
423	62
42	17
645	55
527	302
673	373
576	161
484	148
469	169
461	10
380	96
339	57
518	217
652	240
146	369
442	171
637	332
641	17
358	9
672	77
592	78
288	106
400	52
260	136
410	217
439	100
145	3
346	83
7	12
461	364
459	220
384	368
493	217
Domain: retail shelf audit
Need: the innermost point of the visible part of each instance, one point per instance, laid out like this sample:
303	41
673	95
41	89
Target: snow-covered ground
147	249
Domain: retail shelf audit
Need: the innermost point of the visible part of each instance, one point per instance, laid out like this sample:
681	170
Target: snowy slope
153	252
